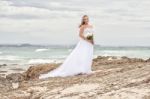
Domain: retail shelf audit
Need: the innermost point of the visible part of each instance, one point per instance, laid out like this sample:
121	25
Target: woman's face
86	20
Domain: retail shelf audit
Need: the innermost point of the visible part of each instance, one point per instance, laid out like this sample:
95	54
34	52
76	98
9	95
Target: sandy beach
112	78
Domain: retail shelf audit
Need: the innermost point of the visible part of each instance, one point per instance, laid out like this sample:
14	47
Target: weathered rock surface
5	85
15	77
115	60
148	60
34	71
1	65
112	78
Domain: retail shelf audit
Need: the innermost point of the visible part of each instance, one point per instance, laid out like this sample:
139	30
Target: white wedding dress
78	62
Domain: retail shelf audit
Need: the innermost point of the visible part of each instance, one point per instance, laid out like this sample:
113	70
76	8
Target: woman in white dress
80	59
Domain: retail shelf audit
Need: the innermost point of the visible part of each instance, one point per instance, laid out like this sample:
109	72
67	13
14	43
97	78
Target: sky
116	22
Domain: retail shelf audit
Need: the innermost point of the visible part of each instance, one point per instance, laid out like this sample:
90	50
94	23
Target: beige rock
112	78
80	88
15	77
34	71
5	85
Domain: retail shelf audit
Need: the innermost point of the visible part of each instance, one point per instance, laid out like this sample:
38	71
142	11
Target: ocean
49	54
17	58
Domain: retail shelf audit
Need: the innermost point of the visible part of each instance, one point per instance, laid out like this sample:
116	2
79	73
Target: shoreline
113	78
20	68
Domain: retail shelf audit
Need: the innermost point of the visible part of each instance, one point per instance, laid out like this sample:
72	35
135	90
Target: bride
80	59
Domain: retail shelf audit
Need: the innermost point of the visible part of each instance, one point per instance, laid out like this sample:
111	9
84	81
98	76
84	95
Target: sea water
48	54
56	54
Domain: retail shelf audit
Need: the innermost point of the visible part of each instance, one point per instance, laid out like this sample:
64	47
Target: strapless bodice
88	31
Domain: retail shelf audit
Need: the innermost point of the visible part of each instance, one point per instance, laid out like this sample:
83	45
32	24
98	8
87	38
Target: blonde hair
82	21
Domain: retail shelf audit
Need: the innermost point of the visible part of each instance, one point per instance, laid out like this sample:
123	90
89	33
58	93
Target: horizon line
32	44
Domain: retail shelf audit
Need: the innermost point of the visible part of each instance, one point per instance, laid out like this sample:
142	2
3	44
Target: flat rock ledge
112	78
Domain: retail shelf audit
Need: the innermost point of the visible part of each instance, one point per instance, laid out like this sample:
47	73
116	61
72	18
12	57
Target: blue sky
116	22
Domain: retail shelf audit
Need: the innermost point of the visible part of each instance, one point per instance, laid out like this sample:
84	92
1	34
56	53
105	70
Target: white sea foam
41	50
42	61
70	50
58	57
10	58
113	53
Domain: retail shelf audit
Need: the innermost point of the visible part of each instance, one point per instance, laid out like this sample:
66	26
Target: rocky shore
112	78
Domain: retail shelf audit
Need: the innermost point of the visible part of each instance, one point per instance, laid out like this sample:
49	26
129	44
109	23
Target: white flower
88	34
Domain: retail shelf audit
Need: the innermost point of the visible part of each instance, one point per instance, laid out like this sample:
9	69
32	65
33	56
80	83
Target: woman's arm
93	41
81	33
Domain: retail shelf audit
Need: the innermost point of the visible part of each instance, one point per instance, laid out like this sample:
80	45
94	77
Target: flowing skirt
79	61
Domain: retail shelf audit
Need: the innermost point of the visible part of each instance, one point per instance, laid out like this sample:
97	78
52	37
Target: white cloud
114	19
8	10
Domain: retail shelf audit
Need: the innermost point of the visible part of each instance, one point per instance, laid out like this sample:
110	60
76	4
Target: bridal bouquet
89	36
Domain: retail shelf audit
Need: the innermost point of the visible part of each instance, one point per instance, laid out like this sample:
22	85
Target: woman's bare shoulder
82	27
91	26
85	26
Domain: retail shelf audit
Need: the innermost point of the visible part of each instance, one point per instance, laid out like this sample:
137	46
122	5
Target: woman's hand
90	41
